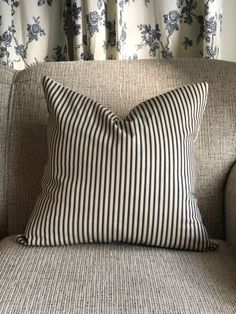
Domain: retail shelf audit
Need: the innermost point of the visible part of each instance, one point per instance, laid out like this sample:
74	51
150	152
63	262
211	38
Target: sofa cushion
115	278
127	180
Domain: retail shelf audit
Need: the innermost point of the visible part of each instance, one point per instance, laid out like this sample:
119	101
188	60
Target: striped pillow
113	180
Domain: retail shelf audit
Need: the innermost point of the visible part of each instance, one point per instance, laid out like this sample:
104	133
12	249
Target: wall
228	51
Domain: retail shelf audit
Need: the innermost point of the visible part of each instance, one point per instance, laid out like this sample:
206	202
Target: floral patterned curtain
57	30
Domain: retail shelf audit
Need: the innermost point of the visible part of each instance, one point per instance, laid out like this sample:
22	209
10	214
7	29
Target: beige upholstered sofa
116	278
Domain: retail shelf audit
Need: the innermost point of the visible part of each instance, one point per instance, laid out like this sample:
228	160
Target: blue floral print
42	2
108	30
187	43
172	20
8	39
93	19
34	30
151	37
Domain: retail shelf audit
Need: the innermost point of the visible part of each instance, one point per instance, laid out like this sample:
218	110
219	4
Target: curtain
58	30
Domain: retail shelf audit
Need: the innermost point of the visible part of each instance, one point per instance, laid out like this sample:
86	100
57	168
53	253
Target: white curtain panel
33	31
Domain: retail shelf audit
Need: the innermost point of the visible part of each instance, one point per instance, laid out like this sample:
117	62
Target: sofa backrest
6	78
120	85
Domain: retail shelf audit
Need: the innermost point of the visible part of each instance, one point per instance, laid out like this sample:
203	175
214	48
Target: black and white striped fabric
113	180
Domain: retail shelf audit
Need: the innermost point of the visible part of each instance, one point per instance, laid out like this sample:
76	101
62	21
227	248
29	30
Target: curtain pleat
51	30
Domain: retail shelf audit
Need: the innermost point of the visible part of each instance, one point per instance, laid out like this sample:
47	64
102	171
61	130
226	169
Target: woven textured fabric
6	78
120	85
114	180
115	279
230	209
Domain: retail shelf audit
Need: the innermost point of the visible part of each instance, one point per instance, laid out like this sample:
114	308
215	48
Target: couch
117	278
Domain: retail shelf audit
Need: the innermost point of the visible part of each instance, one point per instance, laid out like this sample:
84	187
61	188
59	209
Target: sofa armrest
230	209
